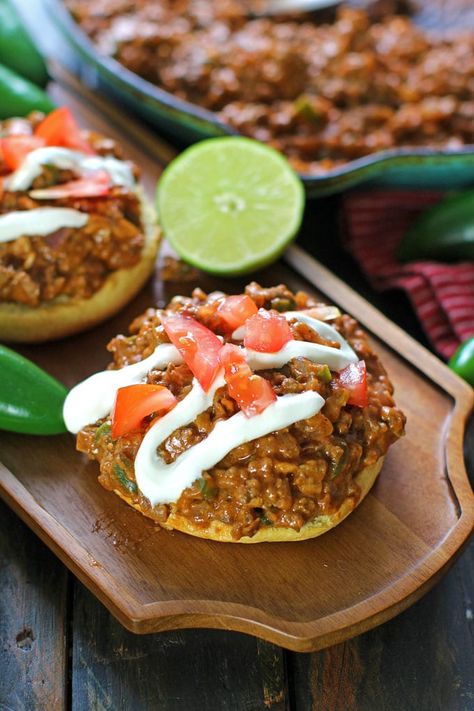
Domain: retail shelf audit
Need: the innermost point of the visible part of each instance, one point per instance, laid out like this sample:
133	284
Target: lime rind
230	205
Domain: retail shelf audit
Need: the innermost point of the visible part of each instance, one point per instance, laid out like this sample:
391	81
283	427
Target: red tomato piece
16	148
231	358
267	331
252	393
59	128
235	310
198	345
354	379
95	185
135	402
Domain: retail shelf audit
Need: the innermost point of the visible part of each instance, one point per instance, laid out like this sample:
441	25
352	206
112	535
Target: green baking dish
186	122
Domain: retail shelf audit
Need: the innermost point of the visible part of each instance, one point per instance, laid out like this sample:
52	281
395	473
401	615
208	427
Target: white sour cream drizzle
163	483
40	221
66	159
335	358
94	398
45	220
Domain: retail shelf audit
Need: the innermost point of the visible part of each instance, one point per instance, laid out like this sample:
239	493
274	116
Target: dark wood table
60	648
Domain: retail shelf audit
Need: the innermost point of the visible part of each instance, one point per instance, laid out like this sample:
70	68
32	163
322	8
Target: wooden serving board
303	596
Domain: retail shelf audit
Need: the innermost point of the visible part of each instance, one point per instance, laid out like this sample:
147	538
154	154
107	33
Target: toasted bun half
222	532
65	316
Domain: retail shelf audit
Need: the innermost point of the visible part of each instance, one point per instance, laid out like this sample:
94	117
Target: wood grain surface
393	548
33	590
422	660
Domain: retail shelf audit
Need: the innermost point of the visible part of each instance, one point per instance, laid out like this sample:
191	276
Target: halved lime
230	205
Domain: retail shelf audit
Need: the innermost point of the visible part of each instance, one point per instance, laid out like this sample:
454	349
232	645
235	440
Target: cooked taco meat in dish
282	479
69	261
324	94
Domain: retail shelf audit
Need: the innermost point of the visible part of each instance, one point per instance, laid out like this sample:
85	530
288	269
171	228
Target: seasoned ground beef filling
282	479
323	94
70	262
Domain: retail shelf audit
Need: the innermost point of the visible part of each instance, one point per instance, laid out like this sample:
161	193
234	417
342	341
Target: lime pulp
230	205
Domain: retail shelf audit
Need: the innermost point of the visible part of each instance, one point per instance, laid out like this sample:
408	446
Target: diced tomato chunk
14	149
231	358
236	309
59	128
198	345
354	379
95	185
267	331
252	393
135	402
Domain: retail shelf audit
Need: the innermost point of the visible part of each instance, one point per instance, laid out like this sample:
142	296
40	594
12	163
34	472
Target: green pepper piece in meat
282	304
31	401
337	465
17	49
305	108
462	362
124	480
18	96
207	489
324	374
103	430
445	231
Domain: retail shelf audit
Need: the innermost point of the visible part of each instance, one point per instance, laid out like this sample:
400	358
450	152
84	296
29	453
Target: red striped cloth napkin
441	294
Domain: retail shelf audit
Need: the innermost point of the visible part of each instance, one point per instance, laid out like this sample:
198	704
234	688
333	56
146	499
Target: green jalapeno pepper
462	362
17	50
18	96
445	231
31	401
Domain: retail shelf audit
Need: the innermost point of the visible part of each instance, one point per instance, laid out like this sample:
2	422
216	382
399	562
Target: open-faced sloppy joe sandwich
77	238
263	416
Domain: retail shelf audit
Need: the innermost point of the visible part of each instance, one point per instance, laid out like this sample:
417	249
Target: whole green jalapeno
19	97
17	49
31	401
